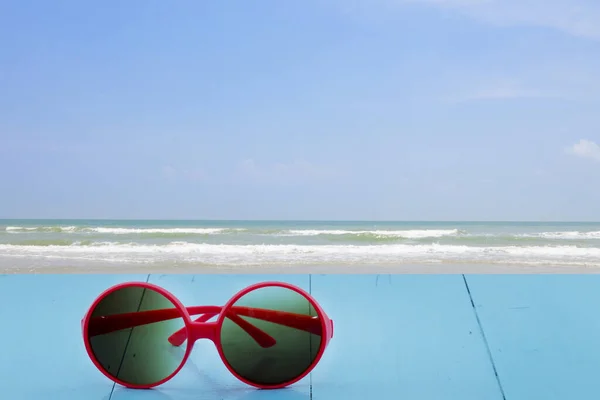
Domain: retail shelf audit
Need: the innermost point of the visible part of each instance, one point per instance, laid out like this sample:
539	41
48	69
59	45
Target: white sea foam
18	228
227	254
40	228
407	234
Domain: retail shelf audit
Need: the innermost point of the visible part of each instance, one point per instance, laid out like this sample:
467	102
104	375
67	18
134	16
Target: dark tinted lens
129	336
271	335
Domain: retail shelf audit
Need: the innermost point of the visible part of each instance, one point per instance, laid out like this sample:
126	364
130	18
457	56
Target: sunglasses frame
209	330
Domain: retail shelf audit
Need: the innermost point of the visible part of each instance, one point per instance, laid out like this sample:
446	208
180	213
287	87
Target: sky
312	109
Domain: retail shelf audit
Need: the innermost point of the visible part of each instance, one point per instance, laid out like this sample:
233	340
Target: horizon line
291	220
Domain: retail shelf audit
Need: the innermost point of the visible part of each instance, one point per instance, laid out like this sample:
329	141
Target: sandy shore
303	269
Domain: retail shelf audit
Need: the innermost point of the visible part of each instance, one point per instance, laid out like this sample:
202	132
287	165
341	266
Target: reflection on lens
296	347
139	355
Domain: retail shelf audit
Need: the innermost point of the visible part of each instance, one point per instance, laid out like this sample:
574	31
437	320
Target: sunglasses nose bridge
203	330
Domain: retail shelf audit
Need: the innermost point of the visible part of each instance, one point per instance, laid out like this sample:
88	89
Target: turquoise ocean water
40	243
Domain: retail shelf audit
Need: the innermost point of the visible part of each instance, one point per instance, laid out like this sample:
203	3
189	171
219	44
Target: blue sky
313	109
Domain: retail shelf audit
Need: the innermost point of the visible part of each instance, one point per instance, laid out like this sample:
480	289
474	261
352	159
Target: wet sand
23	268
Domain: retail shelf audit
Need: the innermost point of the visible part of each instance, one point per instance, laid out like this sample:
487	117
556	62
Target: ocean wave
566	235
121	231
331	235
405	234
227	254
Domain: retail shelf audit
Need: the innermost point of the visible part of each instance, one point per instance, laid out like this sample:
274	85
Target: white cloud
575	17
585	149
283	172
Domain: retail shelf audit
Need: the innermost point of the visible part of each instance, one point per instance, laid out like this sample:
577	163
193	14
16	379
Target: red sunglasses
269	335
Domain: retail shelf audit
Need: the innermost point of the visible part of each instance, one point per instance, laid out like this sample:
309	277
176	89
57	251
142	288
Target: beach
107	246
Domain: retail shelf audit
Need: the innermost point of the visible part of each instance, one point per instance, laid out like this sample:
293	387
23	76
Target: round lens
128	333
271	335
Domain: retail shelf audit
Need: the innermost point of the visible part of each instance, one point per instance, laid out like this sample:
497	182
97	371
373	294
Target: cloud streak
171	173
530	69
502	91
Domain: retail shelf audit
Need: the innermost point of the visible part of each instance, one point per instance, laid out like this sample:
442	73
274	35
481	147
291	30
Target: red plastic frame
201	329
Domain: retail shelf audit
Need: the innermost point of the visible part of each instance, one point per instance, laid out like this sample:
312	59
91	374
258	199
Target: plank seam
127	344
485	341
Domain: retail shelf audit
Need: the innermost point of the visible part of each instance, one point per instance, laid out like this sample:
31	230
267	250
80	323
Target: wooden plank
401	337
42	354
543	332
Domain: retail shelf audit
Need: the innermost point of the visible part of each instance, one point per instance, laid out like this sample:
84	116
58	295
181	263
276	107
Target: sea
82	243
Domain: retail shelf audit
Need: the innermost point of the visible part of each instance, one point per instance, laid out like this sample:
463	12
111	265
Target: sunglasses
269	335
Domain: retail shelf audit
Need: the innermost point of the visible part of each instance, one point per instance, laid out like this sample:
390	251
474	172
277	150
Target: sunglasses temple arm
301	322
110	323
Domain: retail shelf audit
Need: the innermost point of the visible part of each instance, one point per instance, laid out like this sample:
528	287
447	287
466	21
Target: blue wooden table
421	337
